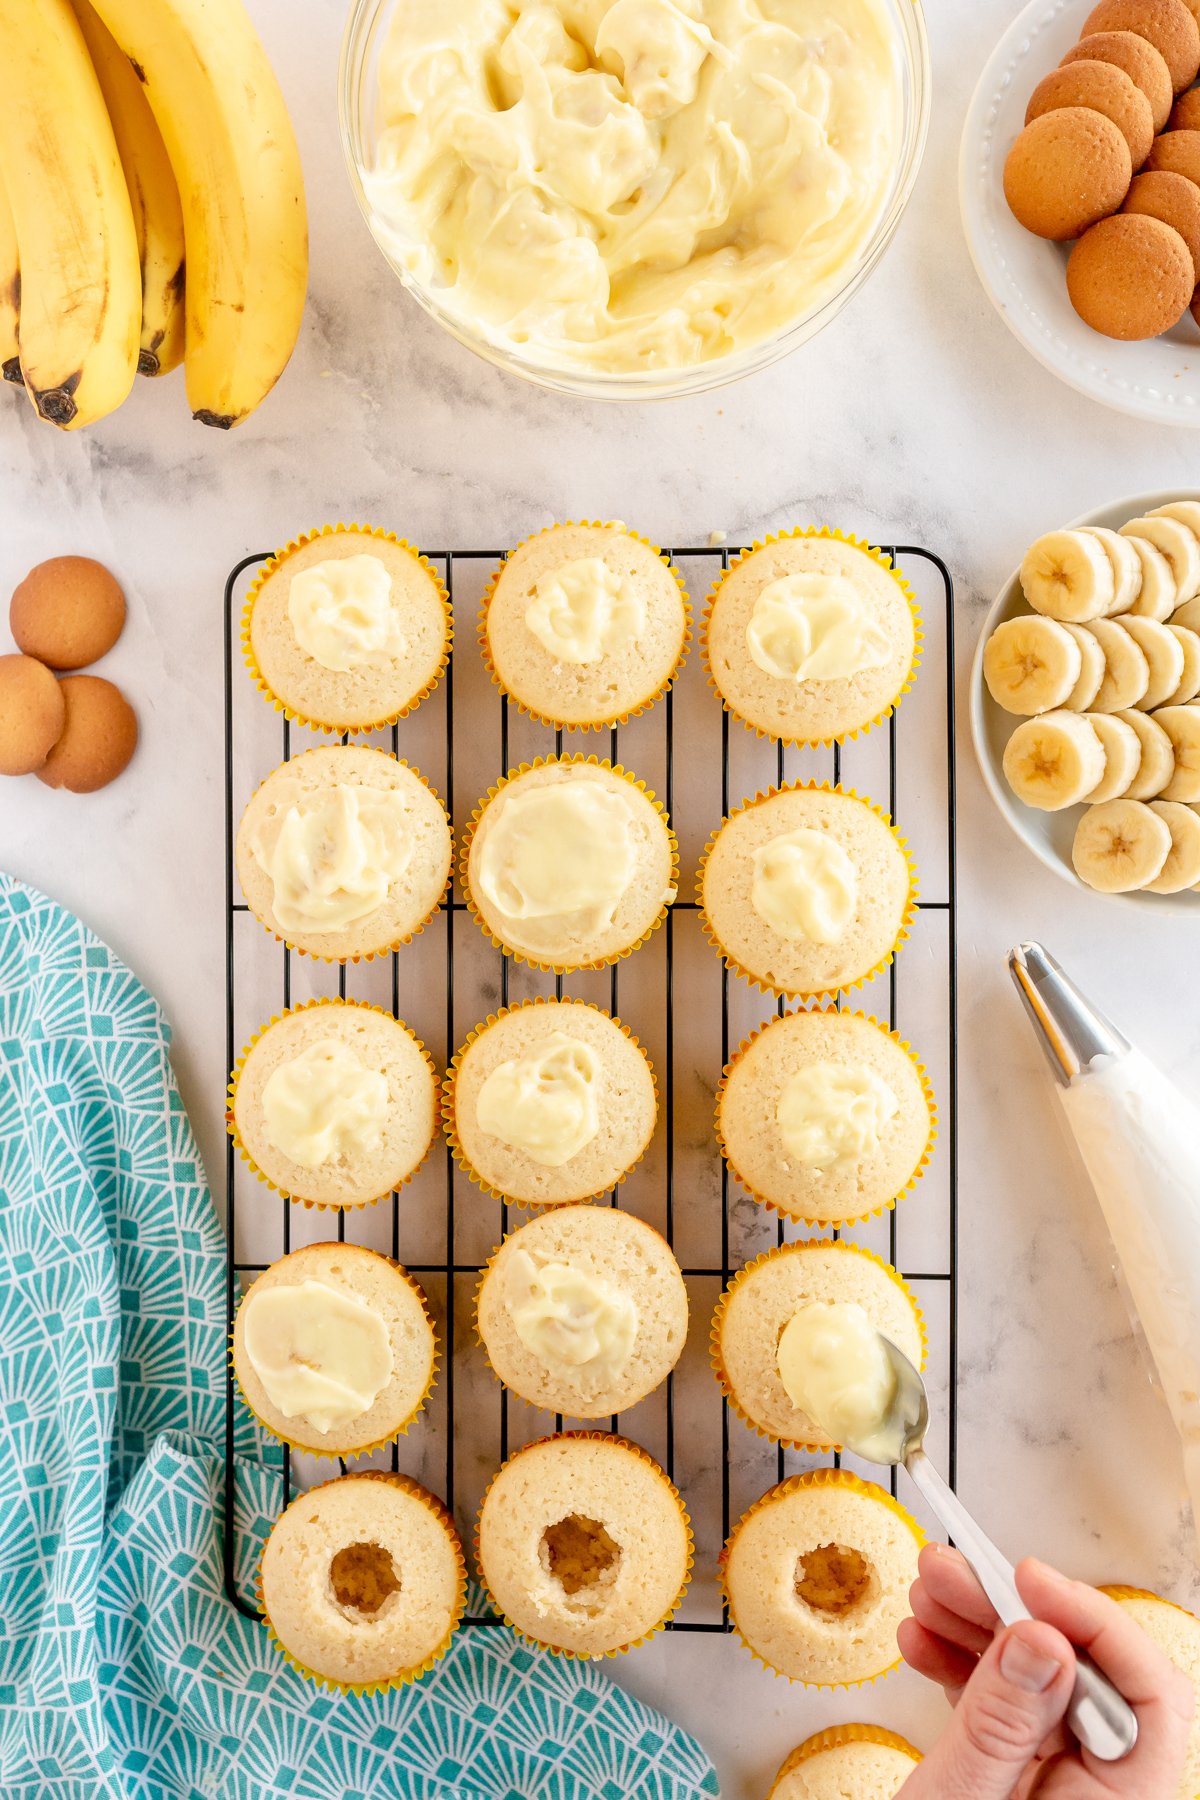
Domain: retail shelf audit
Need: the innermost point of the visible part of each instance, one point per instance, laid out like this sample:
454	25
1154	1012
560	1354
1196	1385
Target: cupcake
569	863
347	628
549	1101
362	1581
752	1355
811	637
583	1311
334	1103
334	1350
807	889
817	1575
1177	1634
825	1116
344	852
583	625
584	1544
846	1762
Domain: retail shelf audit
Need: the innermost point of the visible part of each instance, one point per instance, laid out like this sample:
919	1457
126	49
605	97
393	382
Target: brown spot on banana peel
147	361
57	404
139	72
222	421
11	370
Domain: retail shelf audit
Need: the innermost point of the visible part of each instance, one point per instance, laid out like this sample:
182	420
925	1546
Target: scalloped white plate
1049	834
1024	276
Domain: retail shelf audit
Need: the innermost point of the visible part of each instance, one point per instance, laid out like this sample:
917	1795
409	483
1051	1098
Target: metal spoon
1100	1717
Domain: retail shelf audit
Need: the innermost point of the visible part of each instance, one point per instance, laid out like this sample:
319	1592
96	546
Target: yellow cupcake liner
876	556
632	712
449	1125
231	1126
440	1513
837	1737
406	937
872	1212
910	905
813	1478
578	758
274	563
390	1437
768	1256
600	1437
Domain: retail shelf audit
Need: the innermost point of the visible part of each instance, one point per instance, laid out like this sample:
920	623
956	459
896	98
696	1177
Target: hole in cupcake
580	1554
834	1580
363	1577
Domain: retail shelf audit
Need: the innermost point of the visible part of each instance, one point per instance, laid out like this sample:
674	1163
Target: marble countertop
915	417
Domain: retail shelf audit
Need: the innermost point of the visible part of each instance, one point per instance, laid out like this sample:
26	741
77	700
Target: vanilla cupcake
753	1355
583	1311
1177	1634
846	1762
334	1103
362	1581
344	852
825	1116
347	628
817	1575
584	1544
806	890
583	625
333	1349
569	863
548	1102
811	637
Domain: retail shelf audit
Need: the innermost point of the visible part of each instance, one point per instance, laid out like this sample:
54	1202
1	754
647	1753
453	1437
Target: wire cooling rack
686	1009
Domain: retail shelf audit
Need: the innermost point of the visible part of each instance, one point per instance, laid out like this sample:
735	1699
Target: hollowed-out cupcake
569	863
584	1544
333	1349
846	1762
583	1311
362	1581
752	1354
344	852
811	637
825	1116
1177	1634
334	1103
817	1575
548	1102
347	628
807	889
583	625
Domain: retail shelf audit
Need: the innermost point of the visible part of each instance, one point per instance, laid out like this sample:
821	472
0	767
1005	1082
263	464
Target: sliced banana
1122	756
1091	672
1180	546
1126	669
1188	614
1182	726
1126	566
1164	658
1189	686
1158	756
1158	596
1068	575
1186	511
1031	664
1120	845
1182	867
1053	761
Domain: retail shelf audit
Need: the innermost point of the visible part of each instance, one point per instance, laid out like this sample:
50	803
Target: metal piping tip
1070	1029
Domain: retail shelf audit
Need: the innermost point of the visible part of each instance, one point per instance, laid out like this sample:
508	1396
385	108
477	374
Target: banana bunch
151	206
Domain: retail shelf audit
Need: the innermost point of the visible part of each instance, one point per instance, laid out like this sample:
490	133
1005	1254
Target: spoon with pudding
866	1395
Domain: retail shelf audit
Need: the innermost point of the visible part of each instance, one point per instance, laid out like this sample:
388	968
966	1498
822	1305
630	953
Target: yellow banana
10	290
153	193
235	159
81	290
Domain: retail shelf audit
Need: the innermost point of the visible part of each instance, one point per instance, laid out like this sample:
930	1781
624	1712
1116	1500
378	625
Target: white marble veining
916	417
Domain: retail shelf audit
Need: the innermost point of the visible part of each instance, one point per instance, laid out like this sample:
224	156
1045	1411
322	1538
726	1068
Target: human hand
1010	1688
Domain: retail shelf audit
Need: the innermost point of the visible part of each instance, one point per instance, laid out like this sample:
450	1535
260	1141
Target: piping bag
1139	1138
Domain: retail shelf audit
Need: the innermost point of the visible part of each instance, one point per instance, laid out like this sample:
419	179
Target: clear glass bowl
358	99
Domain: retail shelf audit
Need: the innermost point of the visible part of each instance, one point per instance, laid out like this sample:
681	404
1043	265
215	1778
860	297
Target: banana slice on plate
1182	867
1186	511
1188	615
1126	566
1158	756
1164	658
1053	761
1069	575
1182	726
1032	665
1091	672
1178	543
1120	846
1126	668
1122	756
1189	685
1158	596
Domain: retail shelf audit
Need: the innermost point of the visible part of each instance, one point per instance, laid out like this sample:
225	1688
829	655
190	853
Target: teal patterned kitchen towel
124	1670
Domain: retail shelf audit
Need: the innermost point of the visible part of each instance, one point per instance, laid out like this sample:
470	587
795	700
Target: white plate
1025	277
1049	834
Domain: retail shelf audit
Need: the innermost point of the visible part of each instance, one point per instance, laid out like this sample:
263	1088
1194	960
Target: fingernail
1027	1668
